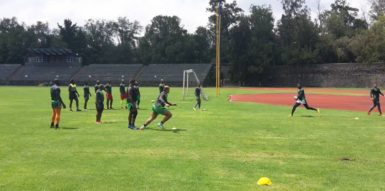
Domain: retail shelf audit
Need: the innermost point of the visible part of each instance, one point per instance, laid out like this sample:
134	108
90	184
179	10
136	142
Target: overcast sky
192	12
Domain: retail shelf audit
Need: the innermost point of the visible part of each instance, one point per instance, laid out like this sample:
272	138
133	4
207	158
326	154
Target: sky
192	12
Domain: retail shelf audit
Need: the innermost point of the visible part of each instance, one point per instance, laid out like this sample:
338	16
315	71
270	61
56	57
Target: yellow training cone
264	181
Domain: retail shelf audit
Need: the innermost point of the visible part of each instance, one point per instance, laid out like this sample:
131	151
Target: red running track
323	90
339	102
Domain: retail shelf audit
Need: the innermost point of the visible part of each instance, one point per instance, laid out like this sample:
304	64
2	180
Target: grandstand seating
43	73
6	70
171	73
104	72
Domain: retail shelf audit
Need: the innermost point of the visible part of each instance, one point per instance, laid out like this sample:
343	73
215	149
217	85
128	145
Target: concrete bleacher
6	70
171	73
43	73
105	72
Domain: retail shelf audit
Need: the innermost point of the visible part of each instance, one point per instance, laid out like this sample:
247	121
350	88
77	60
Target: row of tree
251	41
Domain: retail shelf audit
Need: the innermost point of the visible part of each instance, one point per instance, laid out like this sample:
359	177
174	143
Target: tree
377	9
72	36
297	34
230	16
13	46
126	35
100	44
369	47
252	45
340	25
164	41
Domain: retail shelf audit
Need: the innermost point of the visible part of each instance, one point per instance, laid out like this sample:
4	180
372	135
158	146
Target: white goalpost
186	81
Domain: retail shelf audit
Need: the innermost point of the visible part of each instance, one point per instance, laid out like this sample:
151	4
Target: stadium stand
171	73
43	73
104	72
6	70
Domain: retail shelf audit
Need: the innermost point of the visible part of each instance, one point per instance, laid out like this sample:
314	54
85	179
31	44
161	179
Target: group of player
375	93
130	100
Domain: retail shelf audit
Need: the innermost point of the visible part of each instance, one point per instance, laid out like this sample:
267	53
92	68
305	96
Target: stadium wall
352	75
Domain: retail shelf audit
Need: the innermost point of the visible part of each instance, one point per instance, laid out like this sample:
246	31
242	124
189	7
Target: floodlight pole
184	78
218	47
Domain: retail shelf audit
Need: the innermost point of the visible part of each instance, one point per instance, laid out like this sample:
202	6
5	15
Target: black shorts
99	108
73	96
86	97
376	102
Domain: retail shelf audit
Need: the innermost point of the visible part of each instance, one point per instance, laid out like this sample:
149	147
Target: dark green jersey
72	89
86	91
198	91
301	94
161	87
136	92
55	94
96	87
108	88
132	94
162	100
99	97
375	93
122	88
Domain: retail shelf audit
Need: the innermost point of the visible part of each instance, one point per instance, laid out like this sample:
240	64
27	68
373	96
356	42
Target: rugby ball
295	97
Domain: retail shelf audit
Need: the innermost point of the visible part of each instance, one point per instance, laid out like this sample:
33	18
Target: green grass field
227	147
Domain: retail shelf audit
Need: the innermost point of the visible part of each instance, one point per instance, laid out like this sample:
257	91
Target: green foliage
250	42
369	47
377	9
164	41
230	16
298	35
252	45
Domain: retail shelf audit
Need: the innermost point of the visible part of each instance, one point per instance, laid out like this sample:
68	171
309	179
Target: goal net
194	81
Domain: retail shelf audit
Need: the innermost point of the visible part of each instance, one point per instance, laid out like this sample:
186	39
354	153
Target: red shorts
108	96
123	96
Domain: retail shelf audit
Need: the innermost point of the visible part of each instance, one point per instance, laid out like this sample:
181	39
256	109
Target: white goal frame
186	75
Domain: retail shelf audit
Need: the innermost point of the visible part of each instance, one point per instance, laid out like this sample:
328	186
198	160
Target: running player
375	93
97	85
99	103
159	108
137	91
131	99
301	99
87	95
161	85
56	103
73	95
197	97
109	94
123	95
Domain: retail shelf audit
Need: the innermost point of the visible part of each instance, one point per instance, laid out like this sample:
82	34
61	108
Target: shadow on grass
109	122
69	128
307	116
166	130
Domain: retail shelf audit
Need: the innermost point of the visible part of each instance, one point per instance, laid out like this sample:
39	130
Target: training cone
264	181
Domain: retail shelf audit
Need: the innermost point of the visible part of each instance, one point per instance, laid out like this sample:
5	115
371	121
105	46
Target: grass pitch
227	147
